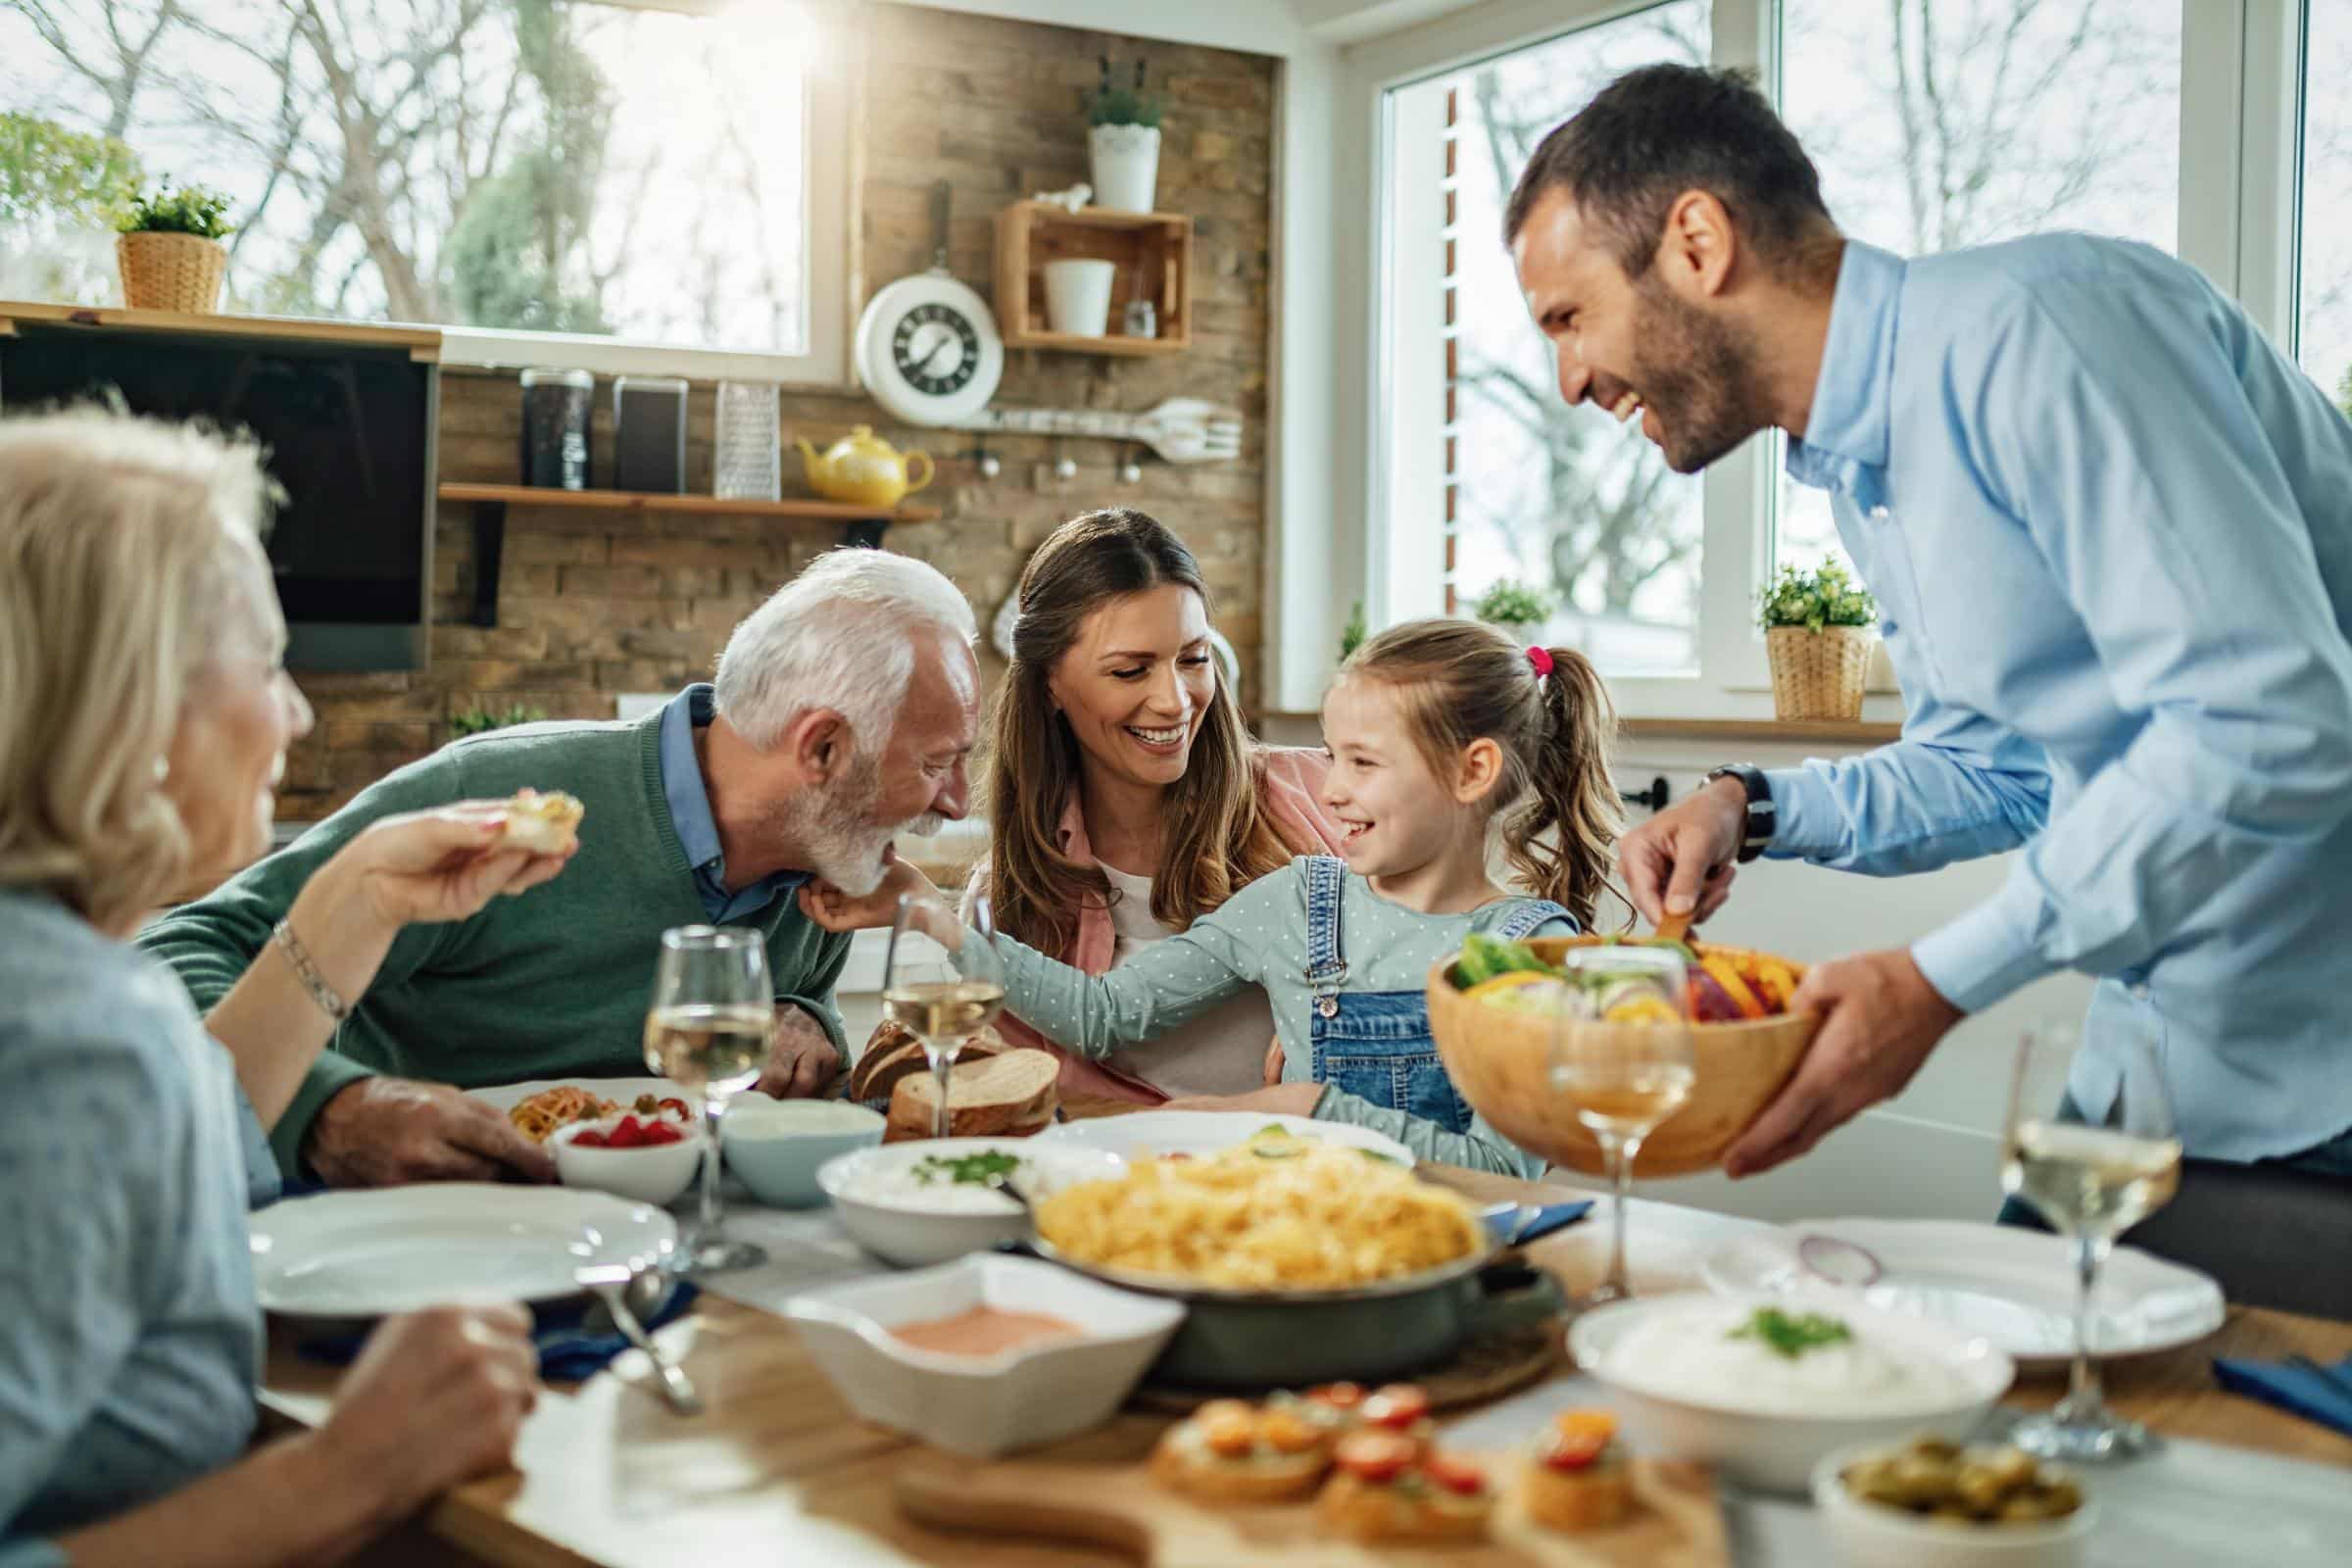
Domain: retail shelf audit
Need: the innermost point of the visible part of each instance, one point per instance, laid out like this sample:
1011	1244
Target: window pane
1562	499
553	166
1942	124
2324	340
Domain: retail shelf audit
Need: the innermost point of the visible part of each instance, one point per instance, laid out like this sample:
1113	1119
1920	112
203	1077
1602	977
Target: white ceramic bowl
1777	1452
1868	1534
654	1174
913	1230
778	1145
983	1406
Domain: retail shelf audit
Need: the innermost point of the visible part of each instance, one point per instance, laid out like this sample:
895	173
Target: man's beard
1697	375
837	834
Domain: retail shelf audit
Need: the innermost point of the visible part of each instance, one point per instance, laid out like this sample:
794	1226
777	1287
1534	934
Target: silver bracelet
333	1005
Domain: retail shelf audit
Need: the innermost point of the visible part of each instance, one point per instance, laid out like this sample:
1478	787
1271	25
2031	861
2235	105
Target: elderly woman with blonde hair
144	717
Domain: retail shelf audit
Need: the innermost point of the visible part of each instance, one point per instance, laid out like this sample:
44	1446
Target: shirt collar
1846	441
682	773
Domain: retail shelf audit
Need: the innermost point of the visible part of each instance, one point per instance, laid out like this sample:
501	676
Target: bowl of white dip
934	1198
1761	1388
775	1146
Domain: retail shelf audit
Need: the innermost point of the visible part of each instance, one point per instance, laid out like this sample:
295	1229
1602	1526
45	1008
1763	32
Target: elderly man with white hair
844	712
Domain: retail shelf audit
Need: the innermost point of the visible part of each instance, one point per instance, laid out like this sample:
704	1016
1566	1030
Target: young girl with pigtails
1441	733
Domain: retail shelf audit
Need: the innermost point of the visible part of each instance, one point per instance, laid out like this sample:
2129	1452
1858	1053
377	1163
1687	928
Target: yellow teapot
864	469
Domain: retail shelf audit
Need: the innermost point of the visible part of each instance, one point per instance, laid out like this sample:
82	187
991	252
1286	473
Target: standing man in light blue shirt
2110	528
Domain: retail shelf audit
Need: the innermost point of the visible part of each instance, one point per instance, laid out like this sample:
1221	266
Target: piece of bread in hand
1010	1094
1228	1451
544	824
893	1052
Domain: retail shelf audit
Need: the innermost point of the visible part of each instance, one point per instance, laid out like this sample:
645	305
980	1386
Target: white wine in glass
942	995
708	1027
1621	1056
2090	1184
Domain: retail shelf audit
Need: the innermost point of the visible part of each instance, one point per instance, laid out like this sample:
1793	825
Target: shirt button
1879	513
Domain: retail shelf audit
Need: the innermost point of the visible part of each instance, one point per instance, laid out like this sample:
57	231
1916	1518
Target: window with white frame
2324	337
1936	123
595	182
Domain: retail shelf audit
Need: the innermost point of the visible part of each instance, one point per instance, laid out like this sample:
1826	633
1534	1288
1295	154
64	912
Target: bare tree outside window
550	166
2323	343
1944	124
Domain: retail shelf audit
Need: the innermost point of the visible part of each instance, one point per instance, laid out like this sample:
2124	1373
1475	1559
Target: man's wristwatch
1762	822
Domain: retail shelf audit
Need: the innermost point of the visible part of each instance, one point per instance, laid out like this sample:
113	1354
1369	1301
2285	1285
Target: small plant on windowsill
170	250
1819	630
1517	608
1352	635
479	720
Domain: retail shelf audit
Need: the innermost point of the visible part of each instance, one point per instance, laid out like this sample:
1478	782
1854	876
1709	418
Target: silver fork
1178	431
611	1282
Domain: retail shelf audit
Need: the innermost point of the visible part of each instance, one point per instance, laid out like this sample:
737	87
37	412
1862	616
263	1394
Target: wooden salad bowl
1501	1062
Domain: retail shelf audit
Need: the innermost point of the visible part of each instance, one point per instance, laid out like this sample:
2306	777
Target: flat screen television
351	433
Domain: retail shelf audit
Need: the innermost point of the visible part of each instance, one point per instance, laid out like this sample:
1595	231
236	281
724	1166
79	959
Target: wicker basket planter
165	272
1818	674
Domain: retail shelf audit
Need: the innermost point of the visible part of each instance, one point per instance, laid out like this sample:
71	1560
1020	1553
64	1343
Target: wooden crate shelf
859	525
1153	253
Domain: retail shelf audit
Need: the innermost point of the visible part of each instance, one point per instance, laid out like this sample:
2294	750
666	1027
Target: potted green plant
475	720
1125	143
1819	630
1352	635
1518	608
170	250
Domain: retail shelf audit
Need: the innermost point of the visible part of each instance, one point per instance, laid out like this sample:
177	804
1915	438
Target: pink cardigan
1291	796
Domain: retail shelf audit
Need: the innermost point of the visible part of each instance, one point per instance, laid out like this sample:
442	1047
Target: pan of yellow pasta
1300	1262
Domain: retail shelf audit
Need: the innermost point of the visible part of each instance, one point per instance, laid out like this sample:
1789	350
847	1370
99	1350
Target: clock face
935	348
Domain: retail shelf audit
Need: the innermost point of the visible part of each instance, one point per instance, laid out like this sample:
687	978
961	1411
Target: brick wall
596	603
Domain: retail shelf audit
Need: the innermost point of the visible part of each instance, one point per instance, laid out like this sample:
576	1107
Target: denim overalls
1376	1042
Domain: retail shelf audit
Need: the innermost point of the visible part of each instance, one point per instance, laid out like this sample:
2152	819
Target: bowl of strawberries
650	1156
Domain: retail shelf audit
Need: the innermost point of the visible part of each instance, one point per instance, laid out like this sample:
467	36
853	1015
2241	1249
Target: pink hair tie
1541	658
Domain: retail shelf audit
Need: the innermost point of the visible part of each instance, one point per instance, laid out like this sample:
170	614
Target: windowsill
1795	732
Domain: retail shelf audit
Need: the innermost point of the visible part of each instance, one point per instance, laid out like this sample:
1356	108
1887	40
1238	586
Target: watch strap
1762	818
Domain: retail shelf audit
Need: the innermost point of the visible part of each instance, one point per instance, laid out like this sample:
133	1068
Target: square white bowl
983	1406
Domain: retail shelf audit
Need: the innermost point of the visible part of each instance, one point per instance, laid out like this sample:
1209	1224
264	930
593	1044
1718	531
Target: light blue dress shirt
689	814
2110	528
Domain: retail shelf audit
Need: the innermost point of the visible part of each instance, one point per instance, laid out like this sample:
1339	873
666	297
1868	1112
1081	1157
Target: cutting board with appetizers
1167	1500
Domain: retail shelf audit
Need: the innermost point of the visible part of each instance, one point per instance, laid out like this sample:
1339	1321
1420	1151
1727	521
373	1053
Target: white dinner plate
1148	1134
505	1096
398	1248
2015	1288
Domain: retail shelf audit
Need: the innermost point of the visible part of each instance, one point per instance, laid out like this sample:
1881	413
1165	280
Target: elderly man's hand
801	1057
1882	1019
380	1132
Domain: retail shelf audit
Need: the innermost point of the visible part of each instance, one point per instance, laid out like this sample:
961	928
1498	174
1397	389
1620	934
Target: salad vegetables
1725	985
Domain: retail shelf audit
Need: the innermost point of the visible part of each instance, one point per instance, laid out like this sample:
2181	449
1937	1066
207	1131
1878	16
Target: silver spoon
614	1285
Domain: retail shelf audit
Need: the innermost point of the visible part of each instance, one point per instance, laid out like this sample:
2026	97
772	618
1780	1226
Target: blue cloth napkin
2293	1389
568	1351
1543	1222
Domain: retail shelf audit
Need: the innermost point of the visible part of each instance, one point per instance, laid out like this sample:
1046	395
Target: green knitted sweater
552	984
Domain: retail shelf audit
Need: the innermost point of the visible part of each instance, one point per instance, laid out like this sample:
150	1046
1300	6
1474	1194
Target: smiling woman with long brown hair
1125	797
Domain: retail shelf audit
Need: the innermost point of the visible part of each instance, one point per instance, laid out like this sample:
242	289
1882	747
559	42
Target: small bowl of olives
1932	1503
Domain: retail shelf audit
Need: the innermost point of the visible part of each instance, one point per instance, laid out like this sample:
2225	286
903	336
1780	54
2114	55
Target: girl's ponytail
1557	838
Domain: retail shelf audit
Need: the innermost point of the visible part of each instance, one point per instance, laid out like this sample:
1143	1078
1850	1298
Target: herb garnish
1792	1337
969	1170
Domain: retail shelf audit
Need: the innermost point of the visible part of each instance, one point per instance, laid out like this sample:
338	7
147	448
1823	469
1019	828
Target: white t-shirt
1223	1052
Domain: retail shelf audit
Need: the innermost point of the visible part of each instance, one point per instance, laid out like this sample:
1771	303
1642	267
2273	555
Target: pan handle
1511	1295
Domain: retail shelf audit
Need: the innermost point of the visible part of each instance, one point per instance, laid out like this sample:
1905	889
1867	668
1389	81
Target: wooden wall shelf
1153	253
859	525
423	343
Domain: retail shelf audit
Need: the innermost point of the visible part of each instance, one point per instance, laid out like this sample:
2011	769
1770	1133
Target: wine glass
1621	1056
942	997
708	1027
2090	1184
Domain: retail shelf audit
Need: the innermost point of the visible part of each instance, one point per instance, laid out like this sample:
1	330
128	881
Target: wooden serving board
1110	1502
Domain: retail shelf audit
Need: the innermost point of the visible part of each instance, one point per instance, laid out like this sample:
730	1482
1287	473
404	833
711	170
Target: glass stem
940	1061
2082	1400
712	1108
1621	1181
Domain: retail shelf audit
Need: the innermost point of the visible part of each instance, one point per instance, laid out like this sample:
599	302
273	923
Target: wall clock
927	346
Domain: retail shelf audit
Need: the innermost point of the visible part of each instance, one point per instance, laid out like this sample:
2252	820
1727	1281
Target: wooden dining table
777	1470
